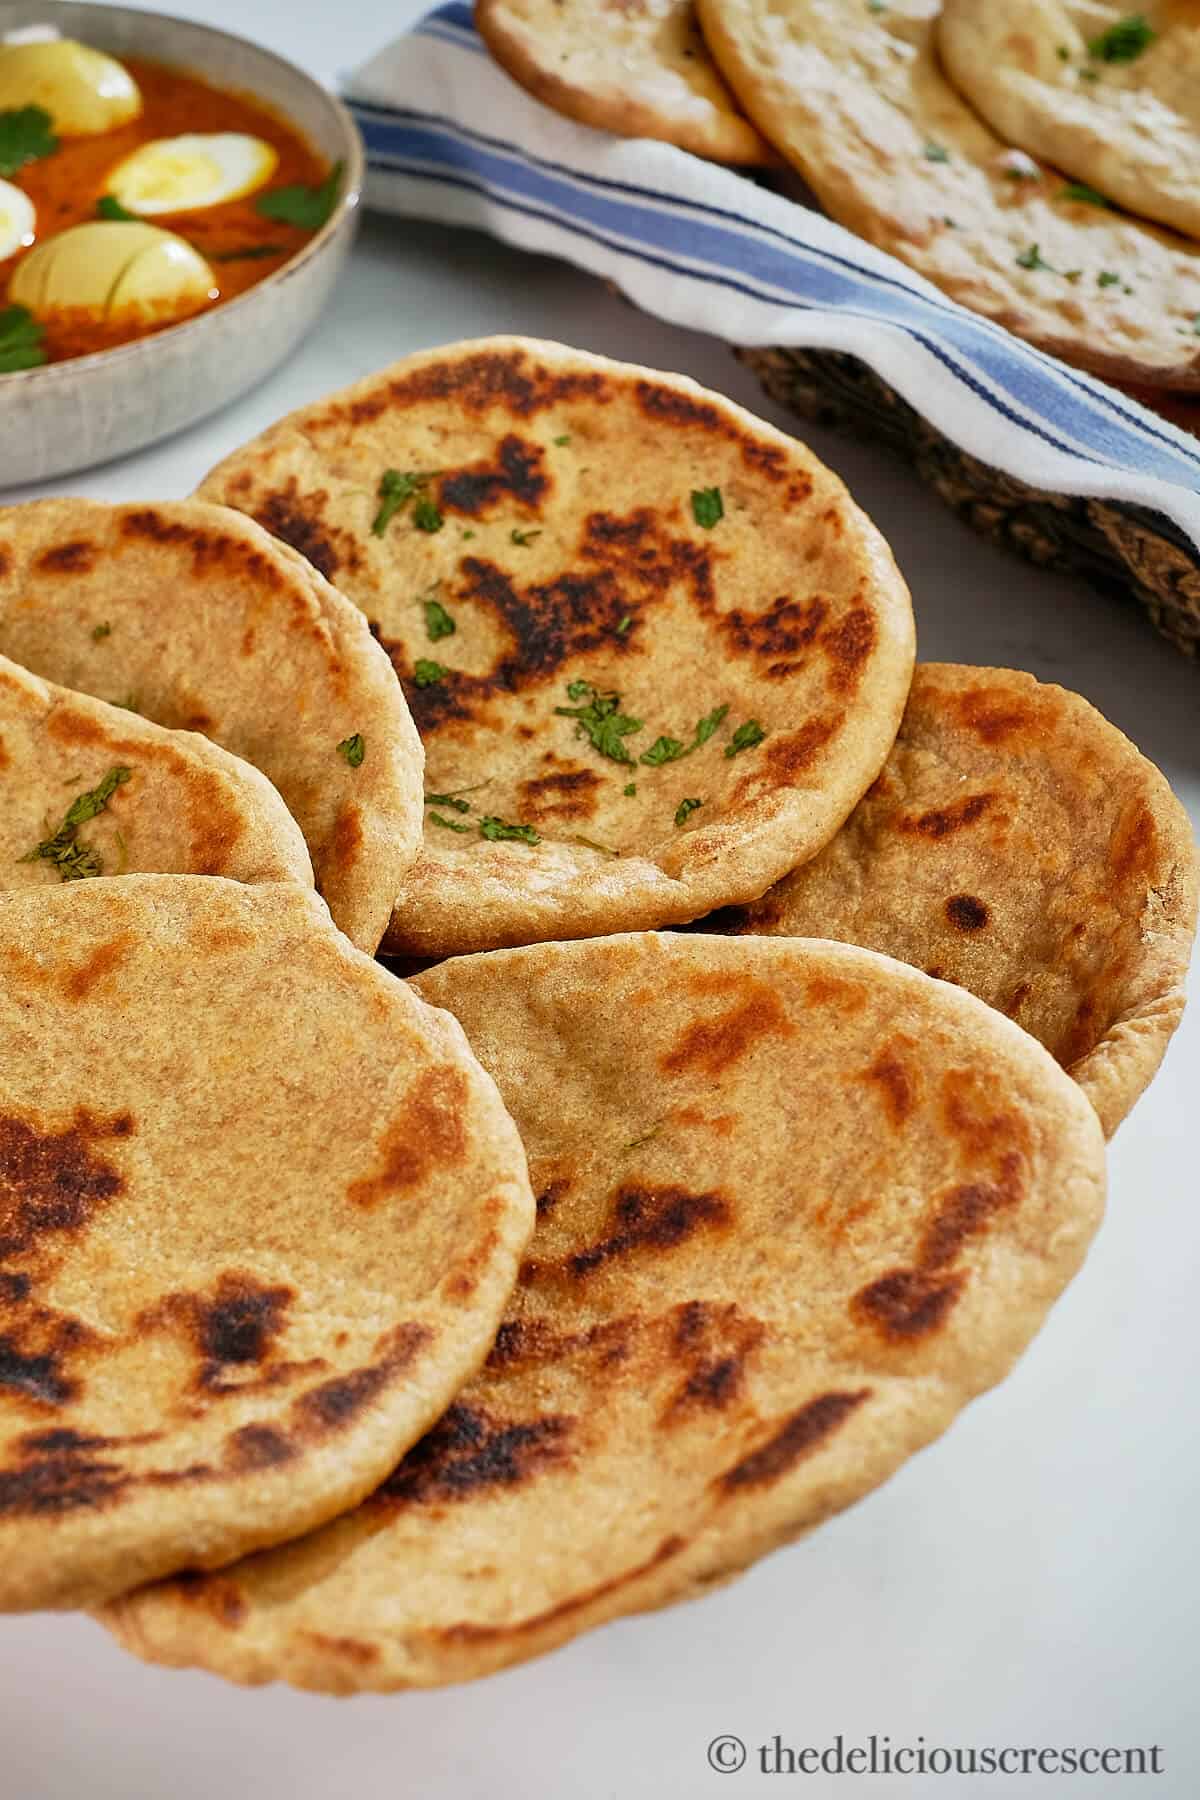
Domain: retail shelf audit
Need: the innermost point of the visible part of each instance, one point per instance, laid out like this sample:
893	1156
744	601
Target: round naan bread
797	1204
654	650
92	790
1112	97
1018	844
639	69
856	99
260	1211
196	618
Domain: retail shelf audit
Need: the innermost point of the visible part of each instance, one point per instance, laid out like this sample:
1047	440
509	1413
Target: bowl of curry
175	206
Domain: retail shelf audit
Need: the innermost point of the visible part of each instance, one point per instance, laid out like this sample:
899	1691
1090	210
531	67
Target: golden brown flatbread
260	1210
654	650
856	99
1018	844
92	790
635	67
797	1204
196	618
1110	96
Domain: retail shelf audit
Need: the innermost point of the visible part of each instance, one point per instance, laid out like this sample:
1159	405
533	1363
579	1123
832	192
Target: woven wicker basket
1117	547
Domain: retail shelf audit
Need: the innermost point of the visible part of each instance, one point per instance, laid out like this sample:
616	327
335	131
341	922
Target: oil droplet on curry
236	242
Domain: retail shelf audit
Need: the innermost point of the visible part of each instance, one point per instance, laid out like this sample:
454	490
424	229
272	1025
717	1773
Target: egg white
17	219
184	174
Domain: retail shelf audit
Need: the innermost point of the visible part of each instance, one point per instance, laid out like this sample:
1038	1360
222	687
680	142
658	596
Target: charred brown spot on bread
470	1450
1133	851
714	1343
64	1479
970	1114
654	1219
75	558
70	725
53	1181
671	406
967	1211
908	1303
526	1341
787	757
428	1133
255	1447
516	472
467	1631
297	520
895	1078
940	821
345	840
346	1649
993	720
795	1438
848	644
35	1358
239	1323
6	561
966	912
214	549
336	1403
777	636
508	380
551	1194
713	1045
1083	1033
97	969
834	991
217	1595
570	794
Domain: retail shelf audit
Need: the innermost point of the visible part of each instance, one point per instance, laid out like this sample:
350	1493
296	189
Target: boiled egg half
183	174
17	219
114	271
84	91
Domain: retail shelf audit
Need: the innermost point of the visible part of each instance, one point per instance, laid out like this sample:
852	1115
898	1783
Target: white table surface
1031	1579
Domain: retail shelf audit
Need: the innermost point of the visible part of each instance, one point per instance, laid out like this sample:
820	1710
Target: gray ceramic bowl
71	415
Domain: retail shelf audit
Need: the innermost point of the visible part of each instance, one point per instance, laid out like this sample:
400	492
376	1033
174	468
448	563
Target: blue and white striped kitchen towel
450	137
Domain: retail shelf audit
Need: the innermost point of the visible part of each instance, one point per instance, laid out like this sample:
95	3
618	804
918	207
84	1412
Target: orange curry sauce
66	186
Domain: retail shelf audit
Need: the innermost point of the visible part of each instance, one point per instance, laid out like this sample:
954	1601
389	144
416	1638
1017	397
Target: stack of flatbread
1038	159
367	1333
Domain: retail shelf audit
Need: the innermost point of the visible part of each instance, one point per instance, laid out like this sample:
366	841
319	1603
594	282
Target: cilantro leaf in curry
73	860
685	809
354	749
600	719
26	135
109	207
20	340
449	824
308	208
426	672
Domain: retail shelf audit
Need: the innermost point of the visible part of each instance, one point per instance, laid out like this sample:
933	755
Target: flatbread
857	101
635	67
1084	84
260	1210
796	1205
142	799
197	619
564	568
1018	844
